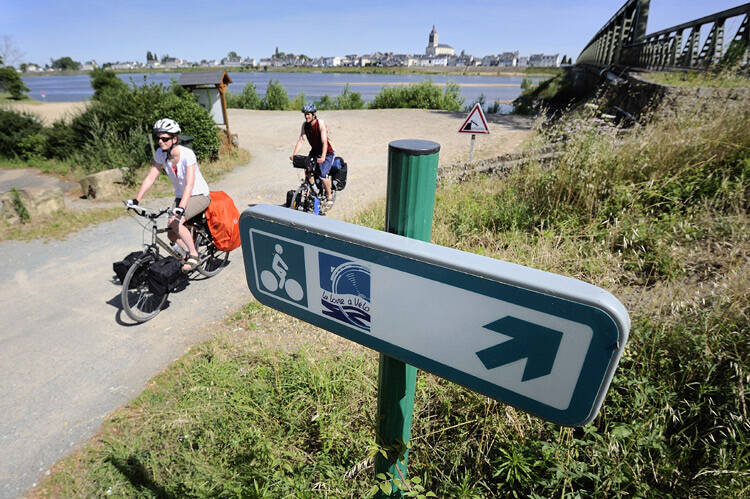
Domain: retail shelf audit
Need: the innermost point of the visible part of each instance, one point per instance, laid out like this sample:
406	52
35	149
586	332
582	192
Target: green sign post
412	176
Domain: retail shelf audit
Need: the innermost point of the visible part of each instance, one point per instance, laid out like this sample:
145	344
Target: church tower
432	44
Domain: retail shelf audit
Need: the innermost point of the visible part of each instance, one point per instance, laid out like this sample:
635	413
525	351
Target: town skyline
41	30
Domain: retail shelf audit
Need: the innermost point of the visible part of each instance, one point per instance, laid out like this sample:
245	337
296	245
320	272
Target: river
73	88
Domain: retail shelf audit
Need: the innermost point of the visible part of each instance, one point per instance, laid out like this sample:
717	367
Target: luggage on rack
121	268
223	220
165	276
338	178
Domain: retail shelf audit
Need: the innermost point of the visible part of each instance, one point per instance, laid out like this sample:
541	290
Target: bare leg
174	238
327	185
186	239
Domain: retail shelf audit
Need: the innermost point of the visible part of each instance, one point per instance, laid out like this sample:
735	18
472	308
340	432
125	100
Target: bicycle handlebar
145	212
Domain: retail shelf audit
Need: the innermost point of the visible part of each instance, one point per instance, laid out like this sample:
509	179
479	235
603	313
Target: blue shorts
324	168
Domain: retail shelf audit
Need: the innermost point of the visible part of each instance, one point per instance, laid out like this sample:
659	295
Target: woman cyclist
190	189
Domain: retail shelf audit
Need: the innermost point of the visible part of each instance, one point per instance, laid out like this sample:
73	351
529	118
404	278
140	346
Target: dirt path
48	112
68	355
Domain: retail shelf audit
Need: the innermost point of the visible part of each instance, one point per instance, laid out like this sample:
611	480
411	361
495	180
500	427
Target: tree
9	53
149	56
103	81
65	64
164	58
276	97
232	54
11	82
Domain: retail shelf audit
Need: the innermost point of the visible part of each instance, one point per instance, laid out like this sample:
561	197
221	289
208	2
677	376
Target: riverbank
432	70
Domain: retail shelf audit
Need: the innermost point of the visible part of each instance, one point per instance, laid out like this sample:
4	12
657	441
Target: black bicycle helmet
309	108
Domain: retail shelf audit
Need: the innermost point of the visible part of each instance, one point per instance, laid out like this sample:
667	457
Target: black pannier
121	268
300	161
166	276
338	178
289	197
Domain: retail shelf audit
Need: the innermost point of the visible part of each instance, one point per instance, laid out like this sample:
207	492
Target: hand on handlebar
132	204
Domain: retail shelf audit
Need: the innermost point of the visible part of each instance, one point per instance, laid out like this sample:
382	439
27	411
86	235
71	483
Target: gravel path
69	356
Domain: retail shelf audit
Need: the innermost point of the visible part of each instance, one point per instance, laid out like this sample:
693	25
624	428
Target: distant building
545	61
231	61
434	49
89	66
508	59
124	65
523	62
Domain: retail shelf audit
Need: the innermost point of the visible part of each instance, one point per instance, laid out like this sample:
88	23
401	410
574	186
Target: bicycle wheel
212	259
137	300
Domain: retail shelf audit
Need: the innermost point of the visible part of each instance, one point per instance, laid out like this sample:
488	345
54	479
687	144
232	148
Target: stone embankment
639	95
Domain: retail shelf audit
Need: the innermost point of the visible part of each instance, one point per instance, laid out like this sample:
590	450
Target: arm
153	174
300	142
324	140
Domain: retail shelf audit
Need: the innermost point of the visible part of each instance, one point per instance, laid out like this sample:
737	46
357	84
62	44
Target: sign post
475	123
412	176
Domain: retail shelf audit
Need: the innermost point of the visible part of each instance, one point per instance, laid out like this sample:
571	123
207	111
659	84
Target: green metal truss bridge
699	44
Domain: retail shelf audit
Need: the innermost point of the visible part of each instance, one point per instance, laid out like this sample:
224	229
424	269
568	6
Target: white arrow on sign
542	342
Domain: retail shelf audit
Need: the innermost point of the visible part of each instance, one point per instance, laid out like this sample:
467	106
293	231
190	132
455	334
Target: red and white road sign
476	122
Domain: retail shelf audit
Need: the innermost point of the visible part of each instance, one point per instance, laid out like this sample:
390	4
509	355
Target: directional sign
476	122
544	343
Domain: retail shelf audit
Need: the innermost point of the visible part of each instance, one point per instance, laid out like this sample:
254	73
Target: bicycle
311	197
139	303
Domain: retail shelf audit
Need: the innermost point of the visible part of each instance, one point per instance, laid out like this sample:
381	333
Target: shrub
276	98
103	80
11	82
349	100
423	95
61	140
14	127
325	103
298	102
248	99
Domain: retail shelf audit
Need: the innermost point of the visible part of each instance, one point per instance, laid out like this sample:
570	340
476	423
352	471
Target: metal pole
471	149
412	177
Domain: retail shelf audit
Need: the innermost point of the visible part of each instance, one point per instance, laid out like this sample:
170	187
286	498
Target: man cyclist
315	131
190	189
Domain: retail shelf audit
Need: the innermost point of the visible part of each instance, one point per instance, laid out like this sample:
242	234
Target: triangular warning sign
476	122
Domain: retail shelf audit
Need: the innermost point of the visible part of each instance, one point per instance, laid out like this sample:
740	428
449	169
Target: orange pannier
223	220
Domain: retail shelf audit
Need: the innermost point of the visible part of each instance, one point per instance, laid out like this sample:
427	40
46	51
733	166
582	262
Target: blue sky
194	30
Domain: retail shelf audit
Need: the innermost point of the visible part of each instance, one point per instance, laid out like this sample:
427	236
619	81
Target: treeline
114	129
423	95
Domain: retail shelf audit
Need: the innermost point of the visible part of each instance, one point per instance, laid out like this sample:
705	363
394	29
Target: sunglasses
164	139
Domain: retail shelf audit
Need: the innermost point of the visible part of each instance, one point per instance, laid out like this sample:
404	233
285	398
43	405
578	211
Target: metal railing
626	27
620	42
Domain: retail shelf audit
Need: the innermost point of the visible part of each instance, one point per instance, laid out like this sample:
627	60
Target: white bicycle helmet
167	126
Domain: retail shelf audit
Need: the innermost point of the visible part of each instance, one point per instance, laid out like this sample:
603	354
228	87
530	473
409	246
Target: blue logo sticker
346	290
281	265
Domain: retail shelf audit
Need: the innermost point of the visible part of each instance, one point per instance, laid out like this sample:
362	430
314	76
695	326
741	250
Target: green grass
272	407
